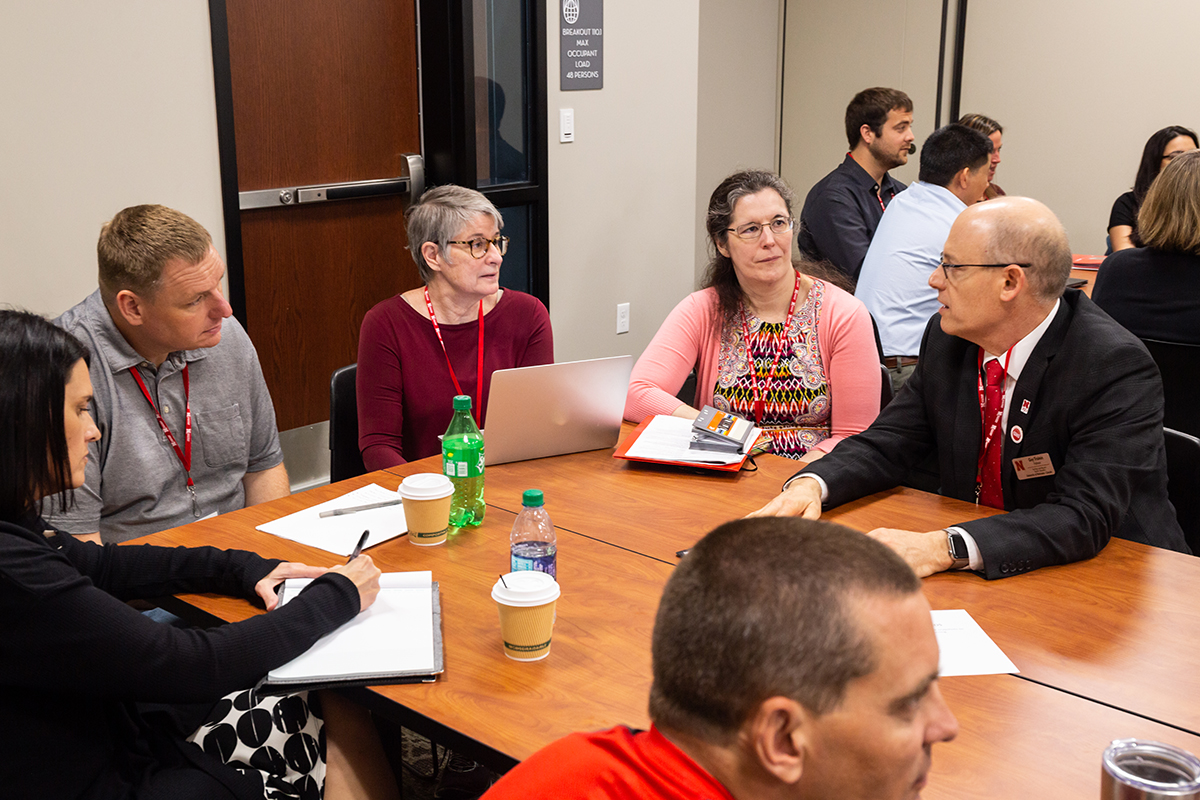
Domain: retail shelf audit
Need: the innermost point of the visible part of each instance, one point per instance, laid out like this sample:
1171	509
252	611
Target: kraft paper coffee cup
527	603
426	497
1136	769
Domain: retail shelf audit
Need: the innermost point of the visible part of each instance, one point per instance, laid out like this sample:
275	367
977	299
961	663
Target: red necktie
991	493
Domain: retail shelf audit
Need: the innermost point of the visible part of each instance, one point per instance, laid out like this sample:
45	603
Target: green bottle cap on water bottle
532	498
462	402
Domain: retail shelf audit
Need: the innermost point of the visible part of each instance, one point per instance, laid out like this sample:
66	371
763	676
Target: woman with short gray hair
419	349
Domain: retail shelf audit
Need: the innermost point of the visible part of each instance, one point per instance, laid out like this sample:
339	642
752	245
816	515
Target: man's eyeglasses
479	246
751	231
946	267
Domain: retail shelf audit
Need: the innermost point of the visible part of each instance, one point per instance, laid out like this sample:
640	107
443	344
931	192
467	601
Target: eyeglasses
479	247
1169	157
946	267
752	230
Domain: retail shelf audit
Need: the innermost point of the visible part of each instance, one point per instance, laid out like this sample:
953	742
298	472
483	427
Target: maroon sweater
404	389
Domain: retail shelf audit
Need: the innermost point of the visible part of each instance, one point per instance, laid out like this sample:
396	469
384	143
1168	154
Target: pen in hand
358	547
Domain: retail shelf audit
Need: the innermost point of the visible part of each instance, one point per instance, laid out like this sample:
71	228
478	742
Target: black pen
358	547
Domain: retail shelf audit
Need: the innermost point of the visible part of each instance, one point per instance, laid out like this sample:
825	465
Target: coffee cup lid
526	588
426	486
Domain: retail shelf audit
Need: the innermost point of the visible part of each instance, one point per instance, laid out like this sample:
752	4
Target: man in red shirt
792	658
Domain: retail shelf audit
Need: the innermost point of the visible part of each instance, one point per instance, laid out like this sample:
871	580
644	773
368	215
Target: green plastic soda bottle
462	462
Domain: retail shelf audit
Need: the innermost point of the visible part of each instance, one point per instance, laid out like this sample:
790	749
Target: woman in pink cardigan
816	376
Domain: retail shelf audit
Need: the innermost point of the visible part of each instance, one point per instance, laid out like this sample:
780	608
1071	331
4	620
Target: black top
75	659
1124	212
841	214
1153	293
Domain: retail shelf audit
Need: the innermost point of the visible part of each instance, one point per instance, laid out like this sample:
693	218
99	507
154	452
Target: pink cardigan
689	335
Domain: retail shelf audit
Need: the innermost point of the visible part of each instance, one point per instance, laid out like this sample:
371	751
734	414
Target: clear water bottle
462	462
533	543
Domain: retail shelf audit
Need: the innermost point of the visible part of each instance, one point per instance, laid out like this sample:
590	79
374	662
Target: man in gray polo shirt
187	424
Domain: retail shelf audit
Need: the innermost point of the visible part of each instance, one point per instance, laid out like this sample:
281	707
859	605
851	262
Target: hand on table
288	569
925	552
801	499
365	575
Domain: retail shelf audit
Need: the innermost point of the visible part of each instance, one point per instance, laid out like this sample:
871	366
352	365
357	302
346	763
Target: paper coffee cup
527	602
426	497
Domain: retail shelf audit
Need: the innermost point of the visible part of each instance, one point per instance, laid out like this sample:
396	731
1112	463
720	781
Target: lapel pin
1024	406
1017	434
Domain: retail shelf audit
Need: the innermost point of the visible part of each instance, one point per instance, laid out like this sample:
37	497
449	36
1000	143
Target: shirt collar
116	351
1022	350
862	178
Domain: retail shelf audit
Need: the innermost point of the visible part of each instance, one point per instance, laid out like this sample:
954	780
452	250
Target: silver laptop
551	409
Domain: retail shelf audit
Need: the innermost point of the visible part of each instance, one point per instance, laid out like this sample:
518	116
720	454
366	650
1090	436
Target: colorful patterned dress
797	405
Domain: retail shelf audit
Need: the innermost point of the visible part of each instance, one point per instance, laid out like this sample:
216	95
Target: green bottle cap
462	402
532	498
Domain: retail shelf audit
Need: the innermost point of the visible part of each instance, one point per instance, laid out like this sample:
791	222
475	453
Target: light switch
566	124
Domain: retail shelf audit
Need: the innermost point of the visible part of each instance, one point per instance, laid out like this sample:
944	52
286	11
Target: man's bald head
1020	230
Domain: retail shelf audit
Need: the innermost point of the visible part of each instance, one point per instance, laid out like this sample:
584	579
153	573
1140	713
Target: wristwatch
960	556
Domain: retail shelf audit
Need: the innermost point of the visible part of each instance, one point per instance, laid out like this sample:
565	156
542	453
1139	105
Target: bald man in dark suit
1072	412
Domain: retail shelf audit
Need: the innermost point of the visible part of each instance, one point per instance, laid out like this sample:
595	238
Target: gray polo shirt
136	485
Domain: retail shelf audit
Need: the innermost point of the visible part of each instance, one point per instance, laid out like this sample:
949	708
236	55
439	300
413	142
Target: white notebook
397	640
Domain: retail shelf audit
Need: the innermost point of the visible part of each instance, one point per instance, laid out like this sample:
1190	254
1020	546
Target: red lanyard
185	455
476	410
759	401
990	430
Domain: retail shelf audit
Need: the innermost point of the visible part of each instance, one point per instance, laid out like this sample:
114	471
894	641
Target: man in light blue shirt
908	243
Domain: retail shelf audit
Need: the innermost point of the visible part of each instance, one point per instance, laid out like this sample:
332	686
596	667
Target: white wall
685	101
833	51
1079	89
106	105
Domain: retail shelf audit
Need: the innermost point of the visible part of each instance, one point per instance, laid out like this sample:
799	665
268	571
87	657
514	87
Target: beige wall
105	105
738	97
622	194
834	50
678	111
1079	94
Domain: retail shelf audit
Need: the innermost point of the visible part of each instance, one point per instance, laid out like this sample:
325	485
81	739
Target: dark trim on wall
782	77
227	157
539	247
448	118
941	75
960	40
448	91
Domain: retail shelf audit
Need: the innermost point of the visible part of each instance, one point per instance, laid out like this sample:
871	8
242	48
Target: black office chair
345	460
1183	483
886	395
1180	368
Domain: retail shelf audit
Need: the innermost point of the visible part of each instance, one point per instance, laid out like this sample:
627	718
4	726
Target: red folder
623	449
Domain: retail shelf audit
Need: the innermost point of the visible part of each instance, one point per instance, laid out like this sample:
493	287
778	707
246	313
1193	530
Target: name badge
1038	466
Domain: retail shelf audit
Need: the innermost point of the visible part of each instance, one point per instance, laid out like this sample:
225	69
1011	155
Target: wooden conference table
1106	648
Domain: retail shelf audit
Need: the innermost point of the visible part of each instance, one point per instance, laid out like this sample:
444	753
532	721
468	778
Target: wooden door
321	92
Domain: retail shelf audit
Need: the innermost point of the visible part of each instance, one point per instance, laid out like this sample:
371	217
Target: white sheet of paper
394	635
666	439
965	648
340	534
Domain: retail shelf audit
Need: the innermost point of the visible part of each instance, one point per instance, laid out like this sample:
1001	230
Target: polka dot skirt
280	740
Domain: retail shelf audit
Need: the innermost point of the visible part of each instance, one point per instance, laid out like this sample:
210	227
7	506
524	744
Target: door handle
411	182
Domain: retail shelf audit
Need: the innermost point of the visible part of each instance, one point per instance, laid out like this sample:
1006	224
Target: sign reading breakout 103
581	45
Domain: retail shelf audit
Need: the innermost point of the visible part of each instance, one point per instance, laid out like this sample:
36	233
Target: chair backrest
1180	368
886	394
1183	483
345	460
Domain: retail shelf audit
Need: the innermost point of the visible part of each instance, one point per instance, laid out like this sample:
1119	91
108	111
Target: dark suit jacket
1095	406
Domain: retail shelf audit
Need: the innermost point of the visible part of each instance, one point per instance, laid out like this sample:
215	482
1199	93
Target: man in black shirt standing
843	209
